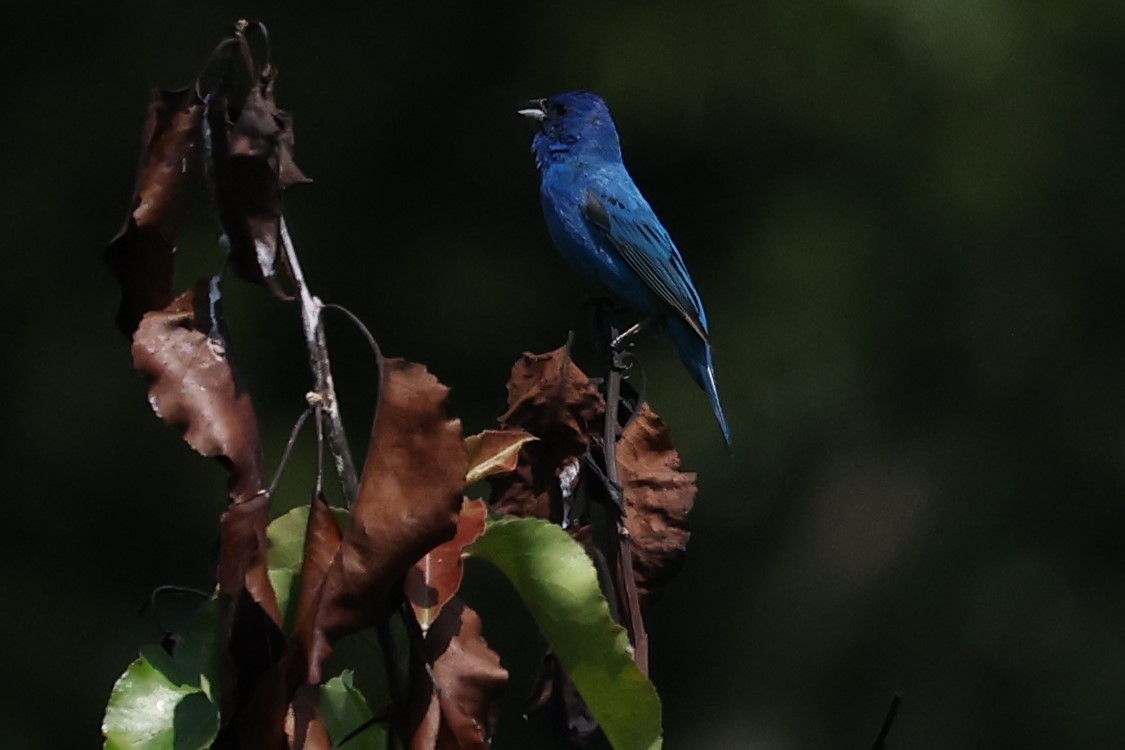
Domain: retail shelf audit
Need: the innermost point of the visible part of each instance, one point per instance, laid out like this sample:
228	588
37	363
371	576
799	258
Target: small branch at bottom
881	741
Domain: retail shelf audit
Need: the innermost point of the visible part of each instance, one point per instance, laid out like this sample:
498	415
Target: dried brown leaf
242	557
322	544
408	502
257	721
183	350
304	725
252	162
658	499
141	254
437	577
550	397
466	677
494	452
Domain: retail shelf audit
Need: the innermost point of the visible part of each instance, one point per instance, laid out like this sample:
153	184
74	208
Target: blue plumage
603	225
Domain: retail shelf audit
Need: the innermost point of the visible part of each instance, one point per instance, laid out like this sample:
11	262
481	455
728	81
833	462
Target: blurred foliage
905	219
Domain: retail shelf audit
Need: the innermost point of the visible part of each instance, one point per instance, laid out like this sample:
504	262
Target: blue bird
602	224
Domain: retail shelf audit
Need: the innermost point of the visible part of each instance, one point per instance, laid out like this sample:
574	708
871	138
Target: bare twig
881	740
293	435
319	451
362	329
626	578
321	366
373	721
171	588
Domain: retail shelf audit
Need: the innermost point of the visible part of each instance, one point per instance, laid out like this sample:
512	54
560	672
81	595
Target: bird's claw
623	360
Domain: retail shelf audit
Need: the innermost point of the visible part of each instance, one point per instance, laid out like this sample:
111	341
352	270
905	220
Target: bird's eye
558	110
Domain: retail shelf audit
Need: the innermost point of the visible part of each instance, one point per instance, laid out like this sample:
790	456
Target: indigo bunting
602	224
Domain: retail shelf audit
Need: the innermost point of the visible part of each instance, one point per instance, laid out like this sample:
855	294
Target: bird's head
576	124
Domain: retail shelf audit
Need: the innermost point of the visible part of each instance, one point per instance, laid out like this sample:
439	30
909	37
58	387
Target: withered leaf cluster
233	128
251	147
409	503
180	343
410	493
550	397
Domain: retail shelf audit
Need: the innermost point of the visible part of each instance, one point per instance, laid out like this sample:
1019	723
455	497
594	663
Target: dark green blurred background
906	221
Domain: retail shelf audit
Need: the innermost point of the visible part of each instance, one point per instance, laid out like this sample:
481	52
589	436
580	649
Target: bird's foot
622	360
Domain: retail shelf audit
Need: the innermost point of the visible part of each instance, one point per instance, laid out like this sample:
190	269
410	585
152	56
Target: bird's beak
536	109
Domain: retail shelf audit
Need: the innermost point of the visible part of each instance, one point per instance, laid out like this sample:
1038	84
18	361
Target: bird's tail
696	356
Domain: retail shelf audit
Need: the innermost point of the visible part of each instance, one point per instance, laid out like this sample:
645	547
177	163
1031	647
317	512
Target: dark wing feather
647	249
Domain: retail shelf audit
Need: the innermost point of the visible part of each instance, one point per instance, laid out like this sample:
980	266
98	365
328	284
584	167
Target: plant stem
325	389
626	579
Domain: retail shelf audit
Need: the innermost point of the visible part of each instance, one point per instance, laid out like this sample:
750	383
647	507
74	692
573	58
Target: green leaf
557	581
165	701
286	535
345	710
196	723
197	656
152	708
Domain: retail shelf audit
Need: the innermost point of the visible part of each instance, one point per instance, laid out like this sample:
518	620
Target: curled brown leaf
437	577
183	351
304	725
242	556
141	254
322	544
550	397
408	502
465	679
494	452
658	499
251	147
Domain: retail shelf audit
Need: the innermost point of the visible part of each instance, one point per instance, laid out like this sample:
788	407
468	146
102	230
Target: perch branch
626	578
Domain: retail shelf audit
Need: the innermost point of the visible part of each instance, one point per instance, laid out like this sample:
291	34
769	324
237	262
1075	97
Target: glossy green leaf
197	655
557	581
153	708
344	710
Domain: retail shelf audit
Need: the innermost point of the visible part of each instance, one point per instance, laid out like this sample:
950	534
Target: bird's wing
636	234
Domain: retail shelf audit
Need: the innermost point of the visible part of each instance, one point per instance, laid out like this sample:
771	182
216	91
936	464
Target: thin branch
293	434
881	740
373	721
319	451
167	636
321	366
171	588
362	329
